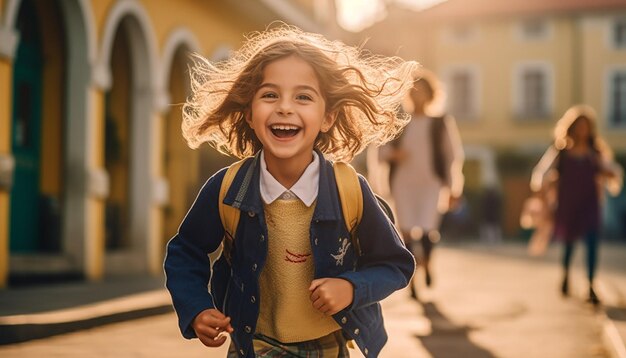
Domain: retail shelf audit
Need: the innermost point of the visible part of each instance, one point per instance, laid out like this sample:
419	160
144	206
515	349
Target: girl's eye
304	97
269	95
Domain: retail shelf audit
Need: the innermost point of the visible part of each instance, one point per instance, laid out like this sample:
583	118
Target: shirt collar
306	188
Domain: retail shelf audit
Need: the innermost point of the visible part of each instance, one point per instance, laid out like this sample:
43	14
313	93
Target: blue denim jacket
384	266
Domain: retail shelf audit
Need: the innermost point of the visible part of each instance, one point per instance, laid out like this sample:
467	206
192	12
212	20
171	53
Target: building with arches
94	174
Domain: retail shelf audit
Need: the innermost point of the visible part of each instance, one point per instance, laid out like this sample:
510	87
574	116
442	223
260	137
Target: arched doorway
180	164
127	77
118	101
38	130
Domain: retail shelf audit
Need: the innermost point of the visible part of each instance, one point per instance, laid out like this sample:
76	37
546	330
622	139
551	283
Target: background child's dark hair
562	130
363	91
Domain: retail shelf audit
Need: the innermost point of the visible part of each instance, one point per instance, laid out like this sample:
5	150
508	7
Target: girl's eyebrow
299	87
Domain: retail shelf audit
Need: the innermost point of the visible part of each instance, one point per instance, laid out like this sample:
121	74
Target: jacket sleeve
187	265
386	265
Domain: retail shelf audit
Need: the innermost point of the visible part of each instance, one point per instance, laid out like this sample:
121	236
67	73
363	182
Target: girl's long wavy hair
362	90
563	130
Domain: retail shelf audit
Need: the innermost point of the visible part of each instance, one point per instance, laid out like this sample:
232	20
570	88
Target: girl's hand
209	324
331	295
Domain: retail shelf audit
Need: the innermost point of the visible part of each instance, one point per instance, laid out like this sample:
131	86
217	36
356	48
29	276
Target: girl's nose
284	108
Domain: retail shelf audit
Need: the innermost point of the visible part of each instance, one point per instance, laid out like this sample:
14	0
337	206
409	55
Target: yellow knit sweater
286	312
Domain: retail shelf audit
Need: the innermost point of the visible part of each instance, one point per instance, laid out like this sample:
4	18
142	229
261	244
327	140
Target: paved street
486	302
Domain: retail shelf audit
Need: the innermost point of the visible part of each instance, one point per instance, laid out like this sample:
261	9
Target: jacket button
251	214
344	320
253	299
254	267
262	238
366	351
248	329
241	351
315	241
356	331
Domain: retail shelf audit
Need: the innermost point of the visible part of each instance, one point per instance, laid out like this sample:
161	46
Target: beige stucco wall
578	50
496	50
598	57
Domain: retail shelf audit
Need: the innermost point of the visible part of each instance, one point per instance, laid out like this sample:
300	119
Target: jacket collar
245	192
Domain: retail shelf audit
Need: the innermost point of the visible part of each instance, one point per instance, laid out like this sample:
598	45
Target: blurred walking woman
426	164
577	165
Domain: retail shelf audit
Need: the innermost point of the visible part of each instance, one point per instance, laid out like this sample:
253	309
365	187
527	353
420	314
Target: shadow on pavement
448	339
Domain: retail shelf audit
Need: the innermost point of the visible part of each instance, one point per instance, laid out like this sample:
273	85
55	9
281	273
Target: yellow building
510	70
94	174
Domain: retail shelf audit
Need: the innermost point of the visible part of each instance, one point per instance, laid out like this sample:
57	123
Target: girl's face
581	130
288	111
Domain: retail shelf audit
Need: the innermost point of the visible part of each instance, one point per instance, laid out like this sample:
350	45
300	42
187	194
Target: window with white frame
534	96
463	92
617	99
619	33
533	91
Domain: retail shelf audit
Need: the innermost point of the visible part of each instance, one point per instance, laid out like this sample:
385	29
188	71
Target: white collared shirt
305	189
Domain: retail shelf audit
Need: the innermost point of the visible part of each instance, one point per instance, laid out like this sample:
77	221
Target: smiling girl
292	283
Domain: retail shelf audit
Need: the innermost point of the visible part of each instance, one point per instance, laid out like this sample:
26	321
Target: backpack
350	196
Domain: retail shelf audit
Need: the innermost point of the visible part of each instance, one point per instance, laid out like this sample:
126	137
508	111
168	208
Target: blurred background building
510	70
94	173
95	176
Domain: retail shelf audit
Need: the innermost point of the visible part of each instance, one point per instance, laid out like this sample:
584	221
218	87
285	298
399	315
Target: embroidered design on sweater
341	252
296	258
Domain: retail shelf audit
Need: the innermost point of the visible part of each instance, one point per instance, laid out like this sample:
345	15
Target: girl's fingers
228	329
214	321
212	342
318	303
207	331
316	283
322	308
314	296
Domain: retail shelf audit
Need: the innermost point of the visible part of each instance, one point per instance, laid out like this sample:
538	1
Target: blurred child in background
577	166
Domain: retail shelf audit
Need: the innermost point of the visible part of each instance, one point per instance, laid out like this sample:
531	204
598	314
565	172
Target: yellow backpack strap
228	214
351	199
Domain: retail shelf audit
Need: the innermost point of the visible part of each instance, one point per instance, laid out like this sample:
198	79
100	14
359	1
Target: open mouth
284	130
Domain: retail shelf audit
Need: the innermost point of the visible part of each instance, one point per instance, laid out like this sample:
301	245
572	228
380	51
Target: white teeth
284	127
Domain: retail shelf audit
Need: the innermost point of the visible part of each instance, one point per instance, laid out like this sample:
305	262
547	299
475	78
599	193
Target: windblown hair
362	90
563	130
